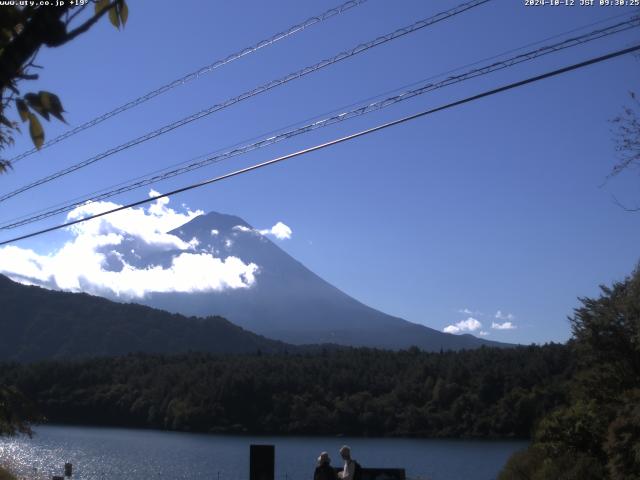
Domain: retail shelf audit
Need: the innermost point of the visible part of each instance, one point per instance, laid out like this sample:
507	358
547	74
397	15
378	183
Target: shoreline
97	450
494	439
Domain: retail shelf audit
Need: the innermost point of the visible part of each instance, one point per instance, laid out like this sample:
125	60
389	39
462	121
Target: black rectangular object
262	460
379	473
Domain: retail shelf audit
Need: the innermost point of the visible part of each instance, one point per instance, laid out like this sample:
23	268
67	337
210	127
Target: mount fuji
283	299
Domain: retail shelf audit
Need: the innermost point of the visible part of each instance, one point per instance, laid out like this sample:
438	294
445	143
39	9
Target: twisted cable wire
355	112
335	141
195	75
251	93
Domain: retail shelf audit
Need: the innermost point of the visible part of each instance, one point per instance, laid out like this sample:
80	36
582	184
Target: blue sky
495	205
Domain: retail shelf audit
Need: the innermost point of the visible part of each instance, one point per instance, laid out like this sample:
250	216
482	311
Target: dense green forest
596	433
488	392
39	324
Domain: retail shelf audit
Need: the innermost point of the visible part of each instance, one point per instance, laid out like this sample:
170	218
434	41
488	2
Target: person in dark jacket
324	470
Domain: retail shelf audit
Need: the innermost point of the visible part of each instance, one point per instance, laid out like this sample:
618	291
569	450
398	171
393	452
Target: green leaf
35	103
114	18
36	131
23	110
45	100
52	104
101	5
124	13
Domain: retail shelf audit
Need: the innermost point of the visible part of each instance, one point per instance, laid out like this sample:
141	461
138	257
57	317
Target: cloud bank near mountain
89	261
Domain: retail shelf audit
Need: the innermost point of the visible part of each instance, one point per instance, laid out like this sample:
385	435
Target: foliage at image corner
23	31
6	475
627	136
17	412
596	435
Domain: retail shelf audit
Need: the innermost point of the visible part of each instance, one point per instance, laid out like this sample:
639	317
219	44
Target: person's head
324	458
345	452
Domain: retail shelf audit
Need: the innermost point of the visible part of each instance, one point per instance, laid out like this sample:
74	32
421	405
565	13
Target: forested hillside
38	324
479	393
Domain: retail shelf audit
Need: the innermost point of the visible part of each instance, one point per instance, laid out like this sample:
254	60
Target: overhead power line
336	141
342	116
251	93
332	12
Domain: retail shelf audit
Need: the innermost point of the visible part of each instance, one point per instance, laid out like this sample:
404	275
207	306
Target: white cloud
279	230
482	333
503	326
469	325
468	311
214	232
90	262
504	316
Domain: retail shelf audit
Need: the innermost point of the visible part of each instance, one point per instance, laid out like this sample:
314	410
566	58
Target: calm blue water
109	453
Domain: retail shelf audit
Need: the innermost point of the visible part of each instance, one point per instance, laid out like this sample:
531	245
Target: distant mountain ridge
281	300
288	301
38	324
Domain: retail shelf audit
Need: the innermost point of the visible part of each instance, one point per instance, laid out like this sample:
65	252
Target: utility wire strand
256	91
345	115
336	141
93	195
332	12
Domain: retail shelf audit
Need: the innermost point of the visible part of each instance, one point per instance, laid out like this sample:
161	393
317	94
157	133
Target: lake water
110	453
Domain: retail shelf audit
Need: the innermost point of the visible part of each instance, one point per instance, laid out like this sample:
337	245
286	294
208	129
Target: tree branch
624	207
42	28
89	23
76	13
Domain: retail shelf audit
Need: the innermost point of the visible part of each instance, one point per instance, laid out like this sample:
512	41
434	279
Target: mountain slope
287	301
37	324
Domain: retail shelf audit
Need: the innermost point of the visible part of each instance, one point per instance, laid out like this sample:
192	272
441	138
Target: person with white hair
324	470
351	467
